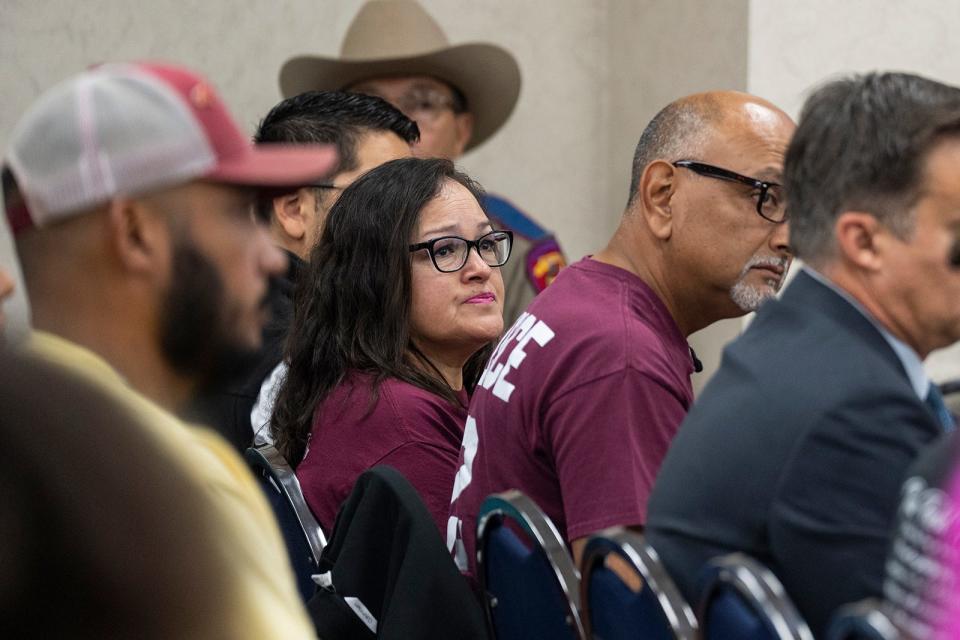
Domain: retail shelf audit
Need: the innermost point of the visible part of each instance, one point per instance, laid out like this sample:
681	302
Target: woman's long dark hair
352	304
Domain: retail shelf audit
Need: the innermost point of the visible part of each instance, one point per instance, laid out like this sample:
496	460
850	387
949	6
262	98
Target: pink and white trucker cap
128	129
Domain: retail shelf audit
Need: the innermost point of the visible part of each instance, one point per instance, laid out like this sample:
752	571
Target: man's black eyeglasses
450	253
769	195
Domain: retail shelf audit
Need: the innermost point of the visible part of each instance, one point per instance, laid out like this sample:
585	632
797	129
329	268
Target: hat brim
276	165
487	75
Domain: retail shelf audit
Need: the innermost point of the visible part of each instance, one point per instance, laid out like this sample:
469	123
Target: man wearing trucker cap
129	190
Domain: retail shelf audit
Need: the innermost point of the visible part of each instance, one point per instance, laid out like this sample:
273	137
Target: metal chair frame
282	476
633	548
760	588
517	507
870	613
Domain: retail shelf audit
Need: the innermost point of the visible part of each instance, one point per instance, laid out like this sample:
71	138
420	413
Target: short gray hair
677	132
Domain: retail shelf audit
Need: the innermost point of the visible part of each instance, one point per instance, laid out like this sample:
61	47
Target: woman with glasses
392	325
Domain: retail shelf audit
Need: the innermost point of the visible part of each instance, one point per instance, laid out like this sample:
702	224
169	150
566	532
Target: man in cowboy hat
458	95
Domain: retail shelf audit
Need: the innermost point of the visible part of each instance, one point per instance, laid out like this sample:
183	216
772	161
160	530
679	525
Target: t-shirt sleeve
608	438
430	469
428	453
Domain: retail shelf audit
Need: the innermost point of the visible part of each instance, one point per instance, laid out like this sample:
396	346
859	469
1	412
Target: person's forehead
225	191
751	143
939	174
373	148
379	146
453	206
389	86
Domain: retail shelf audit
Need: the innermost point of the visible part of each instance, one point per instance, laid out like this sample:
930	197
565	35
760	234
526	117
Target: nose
475	268
780	239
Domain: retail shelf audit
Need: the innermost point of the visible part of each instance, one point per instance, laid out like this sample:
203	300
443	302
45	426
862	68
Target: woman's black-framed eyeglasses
769	195
450	253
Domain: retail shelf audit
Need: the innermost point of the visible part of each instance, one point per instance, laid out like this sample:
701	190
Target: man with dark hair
458	95
584	393
130	189
796	450
366	131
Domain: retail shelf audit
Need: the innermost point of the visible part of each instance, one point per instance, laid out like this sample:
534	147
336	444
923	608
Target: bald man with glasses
583	395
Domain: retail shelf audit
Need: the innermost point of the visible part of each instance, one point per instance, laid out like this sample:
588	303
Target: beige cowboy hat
398	37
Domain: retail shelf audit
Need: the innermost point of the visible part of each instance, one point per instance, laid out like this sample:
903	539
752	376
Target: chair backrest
301	532
530	583
863	620
387	573
612	610
743	599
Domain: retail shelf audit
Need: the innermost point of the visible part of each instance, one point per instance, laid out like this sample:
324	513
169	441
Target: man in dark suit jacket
797	448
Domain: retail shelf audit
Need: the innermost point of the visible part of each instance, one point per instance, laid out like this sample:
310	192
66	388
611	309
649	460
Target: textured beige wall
658	51
795	46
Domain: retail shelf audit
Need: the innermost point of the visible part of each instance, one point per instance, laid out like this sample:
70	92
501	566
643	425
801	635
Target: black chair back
530	583
743	599
301	532
612	610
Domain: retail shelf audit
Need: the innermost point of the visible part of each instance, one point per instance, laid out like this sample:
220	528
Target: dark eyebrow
450	228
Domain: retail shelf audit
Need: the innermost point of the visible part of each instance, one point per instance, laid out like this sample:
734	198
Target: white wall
794	46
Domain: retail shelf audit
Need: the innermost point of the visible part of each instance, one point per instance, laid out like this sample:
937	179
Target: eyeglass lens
771	204
450	254
423	105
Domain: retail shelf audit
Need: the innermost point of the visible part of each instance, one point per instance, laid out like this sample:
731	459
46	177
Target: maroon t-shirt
412	430
576	407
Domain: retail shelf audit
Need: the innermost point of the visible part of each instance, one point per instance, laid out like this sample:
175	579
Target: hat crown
114	129
392	29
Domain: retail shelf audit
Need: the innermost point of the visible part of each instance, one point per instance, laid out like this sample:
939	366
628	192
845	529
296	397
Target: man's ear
861	239
139	238
289	214
464	124
658	185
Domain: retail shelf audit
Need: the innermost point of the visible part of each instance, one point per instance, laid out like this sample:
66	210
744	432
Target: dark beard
194	331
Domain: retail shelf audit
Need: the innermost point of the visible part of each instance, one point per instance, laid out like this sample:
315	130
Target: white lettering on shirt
460	482
525	329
